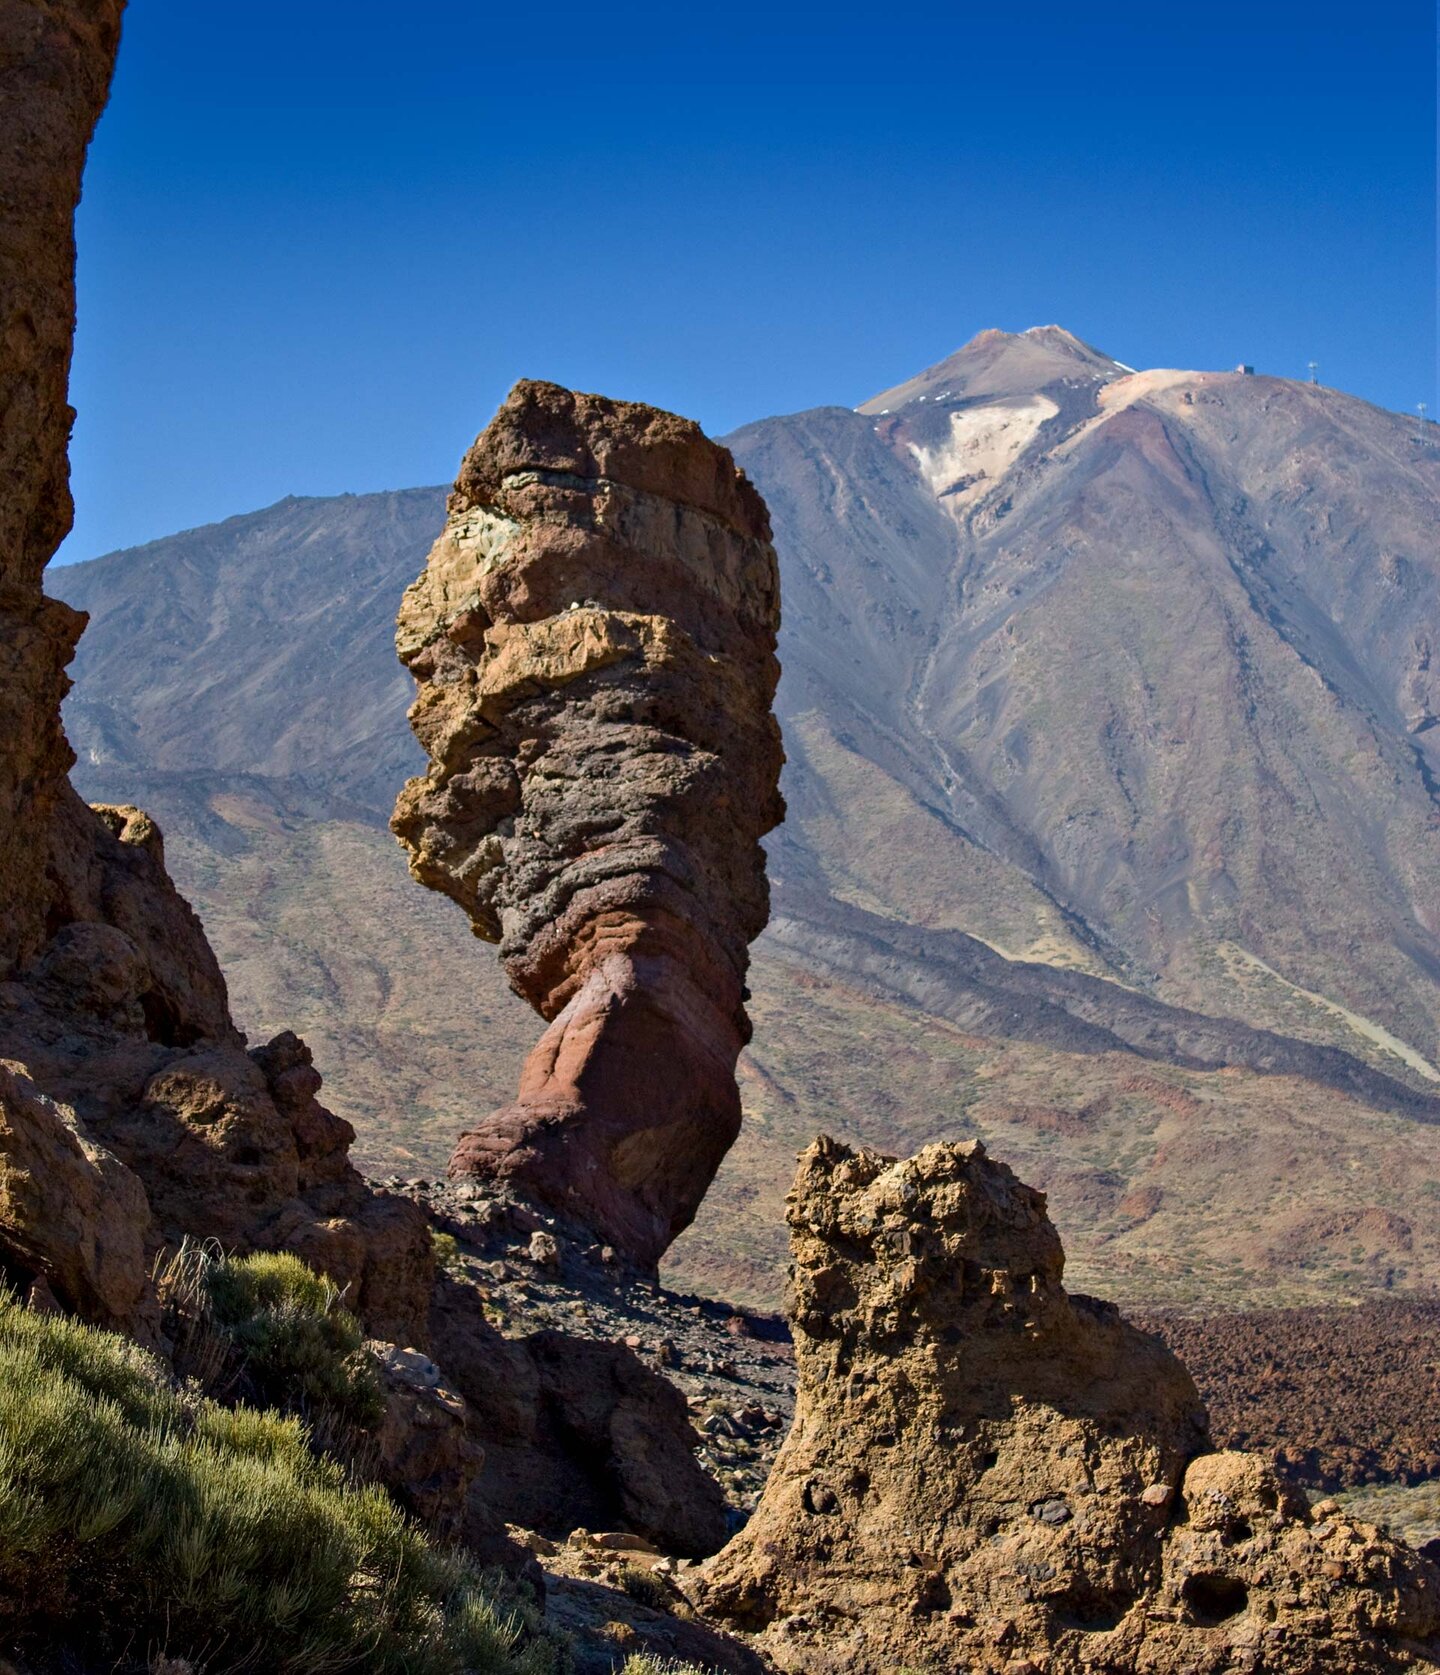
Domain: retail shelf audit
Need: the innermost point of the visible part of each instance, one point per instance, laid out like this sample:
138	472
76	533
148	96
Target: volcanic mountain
1110	713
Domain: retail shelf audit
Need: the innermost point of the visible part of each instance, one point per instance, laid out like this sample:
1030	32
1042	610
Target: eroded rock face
127	1074
56	58
987	1473
74	1222
577	1432
594	639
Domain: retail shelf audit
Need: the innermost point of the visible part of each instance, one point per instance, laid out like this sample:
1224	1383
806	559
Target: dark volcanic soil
1338	1396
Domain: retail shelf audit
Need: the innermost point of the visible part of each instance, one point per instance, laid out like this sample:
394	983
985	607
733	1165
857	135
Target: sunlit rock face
986	1473
594	641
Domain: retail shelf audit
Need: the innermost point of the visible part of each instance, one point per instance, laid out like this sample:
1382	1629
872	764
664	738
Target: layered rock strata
987	1473
594	641
130	1110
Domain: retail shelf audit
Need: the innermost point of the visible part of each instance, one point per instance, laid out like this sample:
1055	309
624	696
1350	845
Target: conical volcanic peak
996	363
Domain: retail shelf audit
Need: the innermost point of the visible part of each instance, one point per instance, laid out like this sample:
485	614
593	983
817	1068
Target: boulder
987	1473
428	1458
577	1432
74	1222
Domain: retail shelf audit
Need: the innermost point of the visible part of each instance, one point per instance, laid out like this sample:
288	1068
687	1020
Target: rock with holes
594	641
986	1473
56	60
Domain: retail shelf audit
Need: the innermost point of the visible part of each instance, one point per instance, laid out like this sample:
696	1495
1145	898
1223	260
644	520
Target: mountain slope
1171	677
264	644
1108	751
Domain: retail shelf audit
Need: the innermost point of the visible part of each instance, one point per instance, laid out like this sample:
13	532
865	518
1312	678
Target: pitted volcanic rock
986	1473
55	60
594	641
132	1112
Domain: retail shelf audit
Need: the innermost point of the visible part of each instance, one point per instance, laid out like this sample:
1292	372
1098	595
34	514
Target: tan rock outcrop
74	1222
988	1474
112	1005
56	57
594	639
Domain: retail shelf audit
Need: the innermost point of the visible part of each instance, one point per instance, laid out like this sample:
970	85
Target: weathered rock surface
121	1016
113	1012
428	1458
577	1432
56	57
74	1222
986	1473
594	638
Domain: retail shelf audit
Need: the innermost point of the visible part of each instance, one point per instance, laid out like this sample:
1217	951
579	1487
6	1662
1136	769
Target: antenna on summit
1422	408
1314	371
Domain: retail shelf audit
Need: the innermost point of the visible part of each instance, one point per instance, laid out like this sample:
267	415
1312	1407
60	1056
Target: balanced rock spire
594	641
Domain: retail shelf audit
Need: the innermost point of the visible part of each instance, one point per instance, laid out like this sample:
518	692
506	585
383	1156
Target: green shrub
448	1256
133	1517
645	1588
300	1350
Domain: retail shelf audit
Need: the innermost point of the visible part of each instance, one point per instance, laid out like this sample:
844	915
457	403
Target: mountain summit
1153	653
996	363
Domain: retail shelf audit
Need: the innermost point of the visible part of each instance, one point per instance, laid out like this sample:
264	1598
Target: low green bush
645	1587
448	1255
299	1349
136	1519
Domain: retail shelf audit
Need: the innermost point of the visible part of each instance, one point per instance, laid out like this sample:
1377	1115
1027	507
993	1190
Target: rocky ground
735	1368
1341	1399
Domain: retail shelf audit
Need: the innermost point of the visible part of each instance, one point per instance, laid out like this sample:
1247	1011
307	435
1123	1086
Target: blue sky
320	241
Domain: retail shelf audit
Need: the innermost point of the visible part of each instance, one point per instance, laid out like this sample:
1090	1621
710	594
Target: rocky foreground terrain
260	1411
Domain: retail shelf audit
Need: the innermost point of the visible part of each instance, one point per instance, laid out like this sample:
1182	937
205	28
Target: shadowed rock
74	1221
986	1473
577	1432
594	639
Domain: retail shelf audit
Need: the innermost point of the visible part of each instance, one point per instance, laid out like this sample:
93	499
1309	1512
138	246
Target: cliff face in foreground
130	1110
56	62
594	638
987	1473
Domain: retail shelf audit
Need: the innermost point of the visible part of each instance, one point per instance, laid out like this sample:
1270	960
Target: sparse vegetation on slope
135	1520
646	1665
